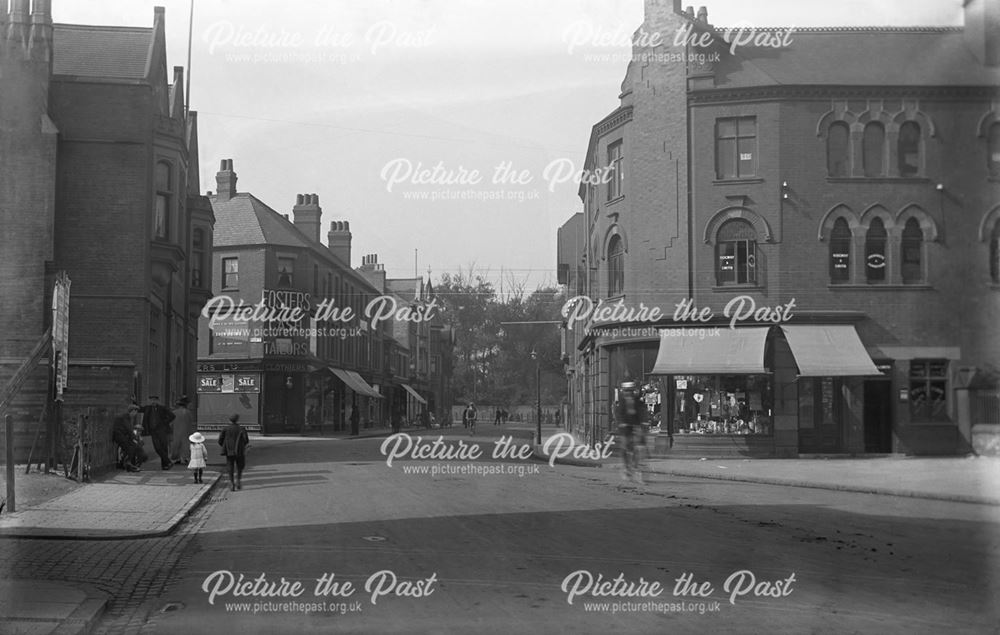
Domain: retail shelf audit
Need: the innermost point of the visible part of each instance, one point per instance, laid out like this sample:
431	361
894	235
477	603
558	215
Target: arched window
908	149
616	266
875	245
912	252
994	149
736	253
995	254
837	149
198	258
164	194
840	252
872	145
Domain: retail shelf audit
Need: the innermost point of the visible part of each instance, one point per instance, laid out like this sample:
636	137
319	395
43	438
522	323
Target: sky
446	132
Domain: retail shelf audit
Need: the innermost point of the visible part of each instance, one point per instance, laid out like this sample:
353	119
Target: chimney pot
703	14
226	180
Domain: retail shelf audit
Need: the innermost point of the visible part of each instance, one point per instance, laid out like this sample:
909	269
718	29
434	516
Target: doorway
878	416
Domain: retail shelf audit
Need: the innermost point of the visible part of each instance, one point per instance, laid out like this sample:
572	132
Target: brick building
845	178
285	375
100	180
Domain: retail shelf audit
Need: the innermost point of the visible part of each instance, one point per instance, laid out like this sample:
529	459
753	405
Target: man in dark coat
123	434
156	420
234	441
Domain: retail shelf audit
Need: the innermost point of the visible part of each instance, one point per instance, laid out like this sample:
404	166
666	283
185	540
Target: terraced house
835	189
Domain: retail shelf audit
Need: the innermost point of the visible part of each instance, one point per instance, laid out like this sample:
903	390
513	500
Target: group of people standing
173	441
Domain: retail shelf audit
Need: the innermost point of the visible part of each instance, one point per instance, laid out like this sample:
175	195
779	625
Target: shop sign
247	382
209	383
682	384
228	383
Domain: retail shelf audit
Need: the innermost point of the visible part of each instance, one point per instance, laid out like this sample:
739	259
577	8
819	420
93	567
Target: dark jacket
156	419
234	440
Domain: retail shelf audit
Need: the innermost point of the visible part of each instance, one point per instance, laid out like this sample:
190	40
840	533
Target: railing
985	406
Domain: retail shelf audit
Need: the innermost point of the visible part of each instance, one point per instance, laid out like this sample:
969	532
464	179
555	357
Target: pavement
153	502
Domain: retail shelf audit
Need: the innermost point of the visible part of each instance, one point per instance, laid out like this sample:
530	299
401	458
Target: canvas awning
710	351
415	394
828	351
355	382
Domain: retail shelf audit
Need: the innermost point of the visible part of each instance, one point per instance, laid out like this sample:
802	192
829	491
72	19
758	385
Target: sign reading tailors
60	333
229	382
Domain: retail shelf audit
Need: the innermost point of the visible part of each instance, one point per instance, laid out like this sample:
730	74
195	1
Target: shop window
840	252
286	272
928	390
912	251
616	266
873	147
837	150
164	196
993	158
616	175
198	258
736	253
875	246
995	254
230	273
736	147
908	149
721	404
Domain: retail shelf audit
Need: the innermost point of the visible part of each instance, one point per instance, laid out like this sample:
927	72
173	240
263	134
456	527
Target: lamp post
538	395
288	388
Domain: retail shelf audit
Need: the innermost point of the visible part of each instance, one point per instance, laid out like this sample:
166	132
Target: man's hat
234	418
183	401
197	437
133	406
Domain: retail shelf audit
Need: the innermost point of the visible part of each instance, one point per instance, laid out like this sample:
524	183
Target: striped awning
414	393
355	382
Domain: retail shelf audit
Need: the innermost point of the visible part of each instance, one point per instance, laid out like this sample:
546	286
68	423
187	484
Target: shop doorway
878	416
820	415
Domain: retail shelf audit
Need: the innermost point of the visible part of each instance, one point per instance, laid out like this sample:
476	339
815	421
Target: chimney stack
982	30
703	14
17	27
307	213
225	179
41	30
373	271
339	240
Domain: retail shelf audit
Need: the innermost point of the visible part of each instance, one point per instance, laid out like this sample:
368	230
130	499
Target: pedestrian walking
629	413
182	425
199	456
496	417
156	420
235	441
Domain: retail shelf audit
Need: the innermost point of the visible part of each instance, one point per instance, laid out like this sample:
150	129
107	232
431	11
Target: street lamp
538	395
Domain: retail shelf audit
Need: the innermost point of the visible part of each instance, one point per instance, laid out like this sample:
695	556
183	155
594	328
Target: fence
985	406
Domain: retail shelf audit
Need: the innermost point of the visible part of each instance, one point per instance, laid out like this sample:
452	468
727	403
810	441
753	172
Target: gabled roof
246	220
101	51
858	56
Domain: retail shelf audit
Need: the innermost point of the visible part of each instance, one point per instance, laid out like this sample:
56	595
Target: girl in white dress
198	455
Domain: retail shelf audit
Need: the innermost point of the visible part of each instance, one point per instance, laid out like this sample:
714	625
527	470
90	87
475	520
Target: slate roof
860	56
246	220
101	51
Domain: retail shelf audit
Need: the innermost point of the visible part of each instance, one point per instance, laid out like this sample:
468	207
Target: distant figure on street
558	417
182	428
124	436
629	411
497	418
469	417
397	421
234	441
355	420
156	420
425	418
199	456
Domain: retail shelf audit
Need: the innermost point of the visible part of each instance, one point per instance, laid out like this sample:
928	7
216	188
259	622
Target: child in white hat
198	455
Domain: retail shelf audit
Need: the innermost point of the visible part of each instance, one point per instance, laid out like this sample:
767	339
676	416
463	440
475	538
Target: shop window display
723	404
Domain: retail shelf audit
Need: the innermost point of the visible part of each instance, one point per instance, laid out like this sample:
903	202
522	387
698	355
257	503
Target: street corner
35	606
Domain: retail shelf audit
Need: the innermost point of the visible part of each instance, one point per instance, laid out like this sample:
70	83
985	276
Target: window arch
837	153
736	253
873	145
912	252
876	240
908	149
616	266
163	180
993	157
840	252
